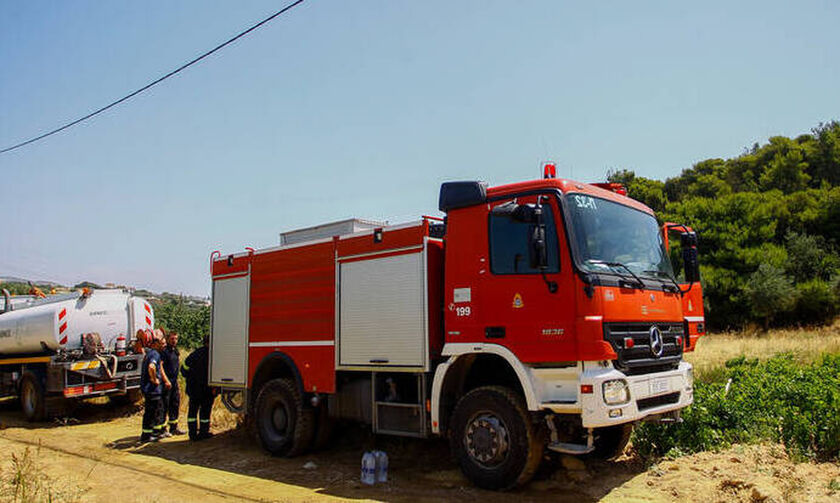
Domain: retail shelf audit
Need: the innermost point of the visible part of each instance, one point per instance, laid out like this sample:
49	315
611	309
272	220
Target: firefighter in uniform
201	395
171	360
152	384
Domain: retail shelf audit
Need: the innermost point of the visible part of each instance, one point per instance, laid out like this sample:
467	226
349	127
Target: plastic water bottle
368	468
381	466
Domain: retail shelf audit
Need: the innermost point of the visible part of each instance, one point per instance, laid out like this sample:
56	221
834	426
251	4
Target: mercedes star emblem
656	344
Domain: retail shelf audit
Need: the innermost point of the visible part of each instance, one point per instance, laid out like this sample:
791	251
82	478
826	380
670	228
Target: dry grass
24	480
220	418
806	344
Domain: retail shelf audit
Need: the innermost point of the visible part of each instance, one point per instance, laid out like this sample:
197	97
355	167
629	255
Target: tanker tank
55	323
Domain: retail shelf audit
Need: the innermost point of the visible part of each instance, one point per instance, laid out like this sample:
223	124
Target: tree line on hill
768	224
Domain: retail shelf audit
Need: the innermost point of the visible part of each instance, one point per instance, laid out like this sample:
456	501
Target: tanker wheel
32	399
493	438
284	425
610	441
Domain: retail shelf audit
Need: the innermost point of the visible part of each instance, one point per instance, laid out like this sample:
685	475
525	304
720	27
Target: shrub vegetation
778	399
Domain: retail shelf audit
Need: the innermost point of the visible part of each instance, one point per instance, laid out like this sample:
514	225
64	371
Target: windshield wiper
638	284
671	278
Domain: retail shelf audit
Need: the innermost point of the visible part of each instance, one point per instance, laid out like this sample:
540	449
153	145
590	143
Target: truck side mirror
691	263
539	250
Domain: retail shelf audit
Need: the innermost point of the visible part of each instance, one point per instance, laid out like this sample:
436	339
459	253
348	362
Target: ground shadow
419	469
95	410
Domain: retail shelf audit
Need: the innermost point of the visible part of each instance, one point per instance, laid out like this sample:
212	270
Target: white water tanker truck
57	350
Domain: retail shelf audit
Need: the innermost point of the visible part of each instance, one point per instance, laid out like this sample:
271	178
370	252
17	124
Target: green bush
769	293
815	301
775	400
191	321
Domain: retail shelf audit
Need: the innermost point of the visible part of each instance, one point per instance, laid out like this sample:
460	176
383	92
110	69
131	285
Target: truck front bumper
646	395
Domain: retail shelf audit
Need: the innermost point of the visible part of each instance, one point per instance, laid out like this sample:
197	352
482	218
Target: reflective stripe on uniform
173	421
204	421
190	419
185	366
146	431
160	426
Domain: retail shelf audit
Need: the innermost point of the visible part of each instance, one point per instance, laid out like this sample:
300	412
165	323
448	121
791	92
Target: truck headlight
689	378
616	392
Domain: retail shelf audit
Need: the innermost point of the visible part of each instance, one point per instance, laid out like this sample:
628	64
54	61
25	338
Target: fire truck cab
537	315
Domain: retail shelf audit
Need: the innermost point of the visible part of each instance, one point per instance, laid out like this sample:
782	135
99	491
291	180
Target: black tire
59	407
611	441
324	426
130	397
33	401
284	425
493	438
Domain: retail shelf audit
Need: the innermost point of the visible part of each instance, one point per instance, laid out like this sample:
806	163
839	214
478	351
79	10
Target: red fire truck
537	315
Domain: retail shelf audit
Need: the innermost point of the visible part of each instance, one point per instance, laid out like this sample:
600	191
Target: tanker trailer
44	359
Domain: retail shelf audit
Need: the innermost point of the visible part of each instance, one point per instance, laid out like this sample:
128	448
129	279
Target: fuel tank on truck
58	322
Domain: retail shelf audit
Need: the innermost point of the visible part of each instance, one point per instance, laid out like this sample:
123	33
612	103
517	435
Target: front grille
657	401
639	359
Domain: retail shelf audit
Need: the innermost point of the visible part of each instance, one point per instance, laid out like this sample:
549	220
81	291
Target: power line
154	82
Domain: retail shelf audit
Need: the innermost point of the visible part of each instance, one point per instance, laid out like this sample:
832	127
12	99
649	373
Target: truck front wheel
493	438
32	399
610	441
284	425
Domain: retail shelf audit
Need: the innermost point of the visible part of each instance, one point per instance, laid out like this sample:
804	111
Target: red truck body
412	327
293	297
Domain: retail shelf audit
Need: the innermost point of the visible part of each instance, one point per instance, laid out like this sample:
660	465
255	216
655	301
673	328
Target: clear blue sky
343	109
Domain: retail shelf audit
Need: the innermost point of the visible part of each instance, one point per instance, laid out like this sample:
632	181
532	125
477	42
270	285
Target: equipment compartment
383	311
229	343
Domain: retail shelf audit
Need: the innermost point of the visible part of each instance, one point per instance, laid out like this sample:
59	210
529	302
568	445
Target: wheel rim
280	420
486	439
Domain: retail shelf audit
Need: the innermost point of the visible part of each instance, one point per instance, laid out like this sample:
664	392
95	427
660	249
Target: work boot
174	430
165	434
193	429
204	429
145	437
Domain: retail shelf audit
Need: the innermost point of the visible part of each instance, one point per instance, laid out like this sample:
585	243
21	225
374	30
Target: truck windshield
608	233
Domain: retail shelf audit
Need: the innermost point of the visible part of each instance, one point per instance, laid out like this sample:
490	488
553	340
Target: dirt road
97	455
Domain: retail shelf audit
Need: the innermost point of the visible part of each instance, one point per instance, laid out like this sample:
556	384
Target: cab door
525	308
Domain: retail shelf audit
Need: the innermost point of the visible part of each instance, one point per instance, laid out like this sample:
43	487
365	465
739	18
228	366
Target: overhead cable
154	82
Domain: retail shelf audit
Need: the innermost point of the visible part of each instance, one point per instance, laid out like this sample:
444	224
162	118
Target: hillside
768	223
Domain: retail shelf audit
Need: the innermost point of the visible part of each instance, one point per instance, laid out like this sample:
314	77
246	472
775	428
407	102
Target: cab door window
512	248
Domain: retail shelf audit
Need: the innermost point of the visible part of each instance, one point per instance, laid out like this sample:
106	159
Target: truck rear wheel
493	438
284	425
610	441
33	403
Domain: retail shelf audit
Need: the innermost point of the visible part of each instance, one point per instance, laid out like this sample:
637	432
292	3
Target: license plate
659	386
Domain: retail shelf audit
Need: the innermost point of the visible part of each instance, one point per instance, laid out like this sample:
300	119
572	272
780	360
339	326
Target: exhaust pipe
7	298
